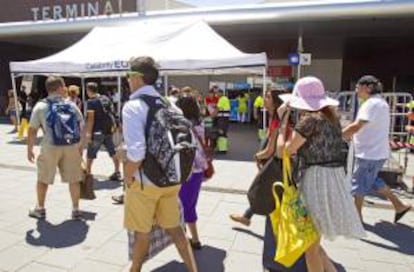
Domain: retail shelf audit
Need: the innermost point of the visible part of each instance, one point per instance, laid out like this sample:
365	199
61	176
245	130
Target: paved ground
99	243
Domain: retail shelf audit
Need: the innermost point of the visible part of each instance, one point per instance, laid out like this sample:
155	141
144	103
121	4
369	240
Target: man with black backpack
160	155
101	126
62	124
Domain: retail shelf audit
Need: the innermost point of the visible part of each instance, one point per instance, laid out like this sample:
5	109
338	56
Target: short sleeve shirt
38	118
324	142
95	105
372	140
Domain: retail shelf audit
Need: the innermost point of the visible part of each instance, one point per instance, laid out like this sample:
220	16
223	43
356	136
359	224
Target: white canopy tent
179	49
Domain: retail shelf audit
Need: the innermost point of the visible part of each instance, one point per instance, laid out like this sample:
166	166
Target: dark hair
53	83
92	86
188	104
330	114
373	83
276	100
146	66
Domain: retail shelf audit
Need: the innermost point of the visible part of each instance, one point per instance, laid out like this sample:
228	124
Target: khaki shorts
66	158
151	205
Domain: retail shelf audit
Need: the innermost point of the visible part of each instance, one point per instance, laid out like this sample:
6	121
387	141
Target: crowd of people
303	124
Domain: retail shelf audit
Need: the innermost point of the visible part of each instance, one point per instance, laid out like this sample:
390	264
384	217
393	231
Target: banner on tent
107	66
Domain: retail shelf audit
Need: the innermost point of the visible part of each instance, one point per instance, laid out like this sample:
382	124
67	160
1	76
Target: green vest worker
223	116
258	116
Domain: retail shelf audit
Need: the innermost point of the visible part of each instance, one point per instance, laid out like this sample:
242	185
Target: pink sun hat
308	94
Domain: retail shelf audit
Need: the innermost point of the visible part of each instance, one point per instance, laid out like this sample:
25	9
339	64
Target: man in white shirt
145	202
370	134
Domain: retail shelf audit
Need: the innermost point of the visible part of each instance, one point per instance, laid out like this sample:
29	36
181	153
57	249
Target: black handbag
260	194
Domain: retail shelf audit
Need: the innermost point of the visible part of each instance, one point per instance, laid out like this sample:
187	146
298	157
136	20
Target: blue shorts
97	141
365	177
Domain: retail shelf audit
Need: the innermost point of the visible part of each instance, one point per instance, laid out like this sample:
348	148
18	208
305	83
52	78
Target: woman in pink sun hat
317	143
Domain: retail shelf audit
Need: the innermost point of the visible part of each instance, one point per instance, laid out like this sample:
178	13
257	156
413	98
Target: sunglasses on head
130	74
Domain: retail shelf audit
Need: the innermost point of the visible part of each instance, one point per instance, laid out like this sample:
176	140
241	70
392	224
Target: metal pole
83	96
120	8
300	51
16	100
119	96
263	95
394	83
166	85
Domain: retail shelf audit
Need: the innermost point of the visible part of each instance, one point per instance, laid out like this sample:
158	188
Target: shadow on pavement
399	234
65	234
17	141
208	259
106	184
248	232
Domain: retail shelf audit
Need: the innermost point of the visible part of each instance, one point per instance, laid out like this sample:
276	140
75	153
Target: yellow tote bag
290	220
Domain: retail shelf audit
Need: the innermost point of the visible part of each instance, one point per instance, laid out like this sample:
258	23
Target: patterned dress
325	190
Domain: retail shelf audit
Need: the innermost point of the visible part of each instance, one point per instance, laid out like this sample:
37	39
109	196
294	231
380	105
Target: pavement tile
216	243
386	267
238	261
37	267
15	257
94	266
64	258
217	231
112	252
9	239
222	212
248	241
349	258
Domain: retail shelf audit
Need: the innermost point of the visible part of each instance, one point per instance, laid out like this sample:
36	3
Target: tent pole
165	85
16	100
263	95
119	96
83	96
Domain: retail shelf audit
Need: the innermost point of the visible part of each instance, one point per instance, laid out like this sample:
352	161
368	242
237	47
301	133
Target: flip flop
399	215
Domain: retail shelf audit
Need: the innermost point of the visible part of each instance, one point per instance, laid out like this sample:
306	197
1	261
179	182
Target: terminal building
345	38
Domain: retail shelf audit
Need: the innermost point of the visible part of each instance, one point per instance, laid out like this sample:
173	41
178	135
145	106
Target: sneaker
240	219
37	213
76	215
115	176
118	199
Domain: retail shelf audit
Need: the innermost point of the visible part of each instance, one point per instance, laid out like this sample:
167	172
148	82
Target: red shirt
274	124
212	100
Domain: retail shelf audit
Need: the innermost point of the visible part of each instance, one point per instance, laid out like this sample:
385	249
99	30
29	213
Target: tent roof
177	47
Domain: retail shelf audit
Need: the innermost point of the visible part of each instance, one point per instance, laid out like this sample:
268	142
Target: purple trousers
189	196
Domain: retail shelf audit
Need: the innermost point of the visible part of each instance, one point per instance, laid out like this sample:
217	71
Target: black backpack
110	121
170	143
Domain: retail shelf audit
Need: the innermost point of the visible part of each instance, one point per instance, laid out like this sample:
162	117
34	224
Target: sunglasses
131	74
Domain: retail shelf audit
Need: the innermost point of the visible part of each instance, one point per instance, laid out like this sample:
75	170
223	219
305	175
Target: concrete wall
328	70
